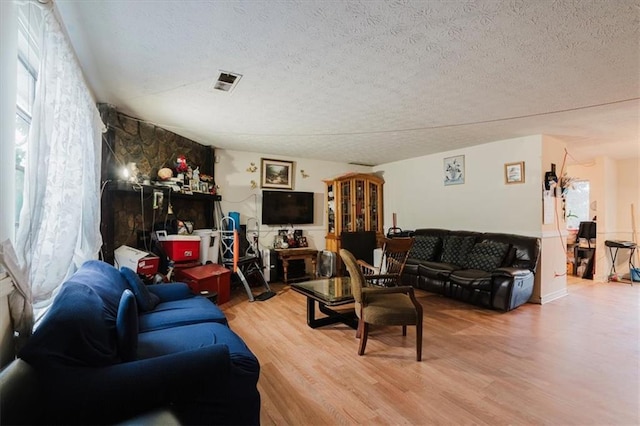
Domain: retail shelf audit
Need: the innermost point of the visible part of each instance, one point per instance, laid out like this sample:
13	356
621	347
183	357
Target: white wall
237	195
551	279
628	193
414	189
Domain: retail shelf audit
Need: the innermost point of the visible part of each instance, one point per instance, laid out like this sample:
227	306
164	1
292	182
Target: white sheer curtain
60	219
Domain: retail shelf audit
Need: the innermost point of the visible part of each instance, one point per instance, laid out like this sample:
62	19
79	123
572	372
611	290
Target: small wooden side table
206	280
286	255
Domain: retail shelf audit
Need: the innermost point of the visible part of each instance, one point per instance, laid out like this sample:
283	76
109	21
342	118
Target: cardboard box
180	248
139	261
206	279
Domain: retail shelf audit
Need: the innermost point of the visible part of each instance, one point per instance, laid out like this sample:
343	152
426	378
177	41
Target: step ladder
247	266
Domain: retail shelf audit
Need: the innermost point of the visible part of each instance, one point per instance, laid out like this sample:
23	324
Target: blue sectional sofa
111	348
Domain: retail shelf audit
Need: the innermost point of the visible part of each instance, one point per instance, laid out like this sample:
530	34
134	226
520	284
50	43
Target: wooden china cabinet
353	204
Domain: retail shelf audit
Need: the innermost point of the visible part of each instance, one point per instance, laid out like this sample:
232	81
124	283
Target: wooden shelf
133	187
122	198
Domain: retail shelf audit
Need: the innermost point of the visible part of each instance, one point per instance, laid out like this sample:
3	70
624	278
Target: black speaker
270	265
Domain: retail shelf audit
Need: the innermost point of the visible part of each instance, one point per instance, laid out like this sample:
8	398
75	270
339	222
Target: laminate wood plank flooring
574	361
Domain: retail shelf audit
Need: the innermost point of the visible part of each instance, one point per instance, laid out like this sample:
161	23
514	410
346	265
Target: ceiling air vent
226	81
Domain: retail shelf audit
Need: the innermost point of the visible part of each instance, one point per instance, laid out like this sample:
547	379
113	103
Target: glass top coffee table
328	292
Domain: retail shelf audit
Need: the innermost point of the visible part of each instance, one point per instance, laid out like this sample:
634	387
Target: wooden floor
574	361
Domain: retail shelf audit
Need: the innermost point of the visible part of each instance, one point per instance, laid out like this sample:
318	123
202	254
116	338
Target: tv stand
286	255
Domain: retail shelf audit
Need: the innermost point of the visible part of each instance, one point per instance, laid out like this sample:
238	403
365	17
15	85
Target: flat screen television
287	207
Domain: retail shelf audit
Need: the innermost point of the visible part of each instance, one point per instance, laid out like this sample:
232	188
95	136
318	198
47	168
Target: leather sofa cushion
436	269
425	247
486	256
455	248
474	278
524	251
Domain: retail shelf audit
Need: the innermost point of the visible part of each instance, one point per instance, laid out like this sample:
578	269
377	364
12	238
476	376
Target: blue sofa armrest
81	395
171	291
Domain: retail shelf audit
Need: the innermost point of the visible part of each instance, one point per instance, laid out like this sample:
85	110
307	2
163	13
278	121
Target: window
577	204
29	23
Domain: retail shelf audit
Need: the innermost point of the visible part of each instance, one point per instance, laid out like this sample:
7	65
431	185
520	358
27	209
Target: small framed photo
454	170
302	242
514	172
204	187
277	174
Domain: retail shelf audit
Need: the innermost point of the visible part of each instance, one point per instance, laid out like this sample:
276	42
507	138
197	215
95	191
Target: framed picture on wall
277	174
514	172
454	170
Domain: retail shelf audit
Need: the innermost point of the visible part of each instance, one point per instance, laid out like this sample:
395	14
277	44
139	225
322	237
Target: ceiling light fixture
226	81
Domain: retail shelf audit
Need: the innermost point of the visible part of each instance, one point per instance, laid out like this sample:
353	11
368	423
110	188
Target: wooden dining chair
382	305
395	252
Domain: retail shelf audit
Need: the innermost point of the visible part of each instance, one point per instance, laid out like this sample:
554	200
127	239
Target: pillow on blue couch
486	256
455	248
127	327
105	280
74	332
425	247
146	300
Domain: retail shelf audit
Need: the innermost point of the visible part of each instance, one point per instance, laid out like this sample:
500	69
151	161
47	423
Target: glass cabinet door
331	210
374	199
360	206
345	206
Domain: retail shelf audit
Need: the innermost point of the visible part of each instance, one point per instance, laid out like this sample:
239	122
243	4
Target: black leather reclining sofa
492	270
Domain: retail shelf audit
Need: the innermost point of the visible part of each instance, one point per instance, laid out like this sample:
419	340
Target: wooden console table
286	255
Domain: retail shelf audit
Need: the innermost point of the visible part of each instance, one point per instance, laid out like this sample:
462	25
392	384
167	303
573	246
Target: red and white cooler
180	248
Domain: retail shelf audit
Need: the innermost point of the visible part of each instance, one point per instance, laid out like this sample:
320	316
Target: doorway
580	248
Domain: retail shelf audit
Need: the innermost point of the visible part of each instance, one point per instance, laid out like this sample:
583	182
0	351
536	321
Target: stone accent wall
125	214
149	146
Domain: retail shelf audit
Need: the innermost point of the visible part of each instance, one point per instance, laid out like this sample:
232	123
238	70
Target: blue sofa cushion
425	247
167	341
127	327
75	332
171	291
455	248
193	310
145	299
486	256
105	280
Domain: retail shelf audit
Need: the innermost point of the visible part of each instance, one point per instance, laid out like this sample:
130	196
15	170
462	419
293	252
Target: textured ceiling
369	81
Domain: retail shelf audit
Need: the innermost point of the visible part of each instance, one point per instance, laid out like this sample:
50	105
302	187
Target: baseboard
553	296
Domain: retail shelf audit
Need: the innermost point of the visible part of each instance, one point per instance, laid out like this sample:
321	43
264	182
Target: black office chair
587	231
